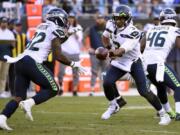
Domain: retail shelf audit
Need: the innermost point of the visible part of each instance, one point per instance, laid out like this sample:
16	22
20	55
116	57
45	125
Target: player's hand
116	52
77	65
111	54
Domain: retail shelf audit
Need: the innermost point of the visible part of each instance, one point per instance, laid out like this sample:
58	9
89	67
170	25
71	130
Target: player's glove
77	65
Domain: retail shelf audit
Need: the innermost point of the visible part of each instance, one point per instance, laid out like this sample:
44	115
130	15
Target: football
101	53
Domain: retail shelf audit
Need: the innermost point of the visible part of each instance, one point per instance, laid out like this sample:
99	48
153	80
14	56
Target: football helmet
58	16
168	15
122	11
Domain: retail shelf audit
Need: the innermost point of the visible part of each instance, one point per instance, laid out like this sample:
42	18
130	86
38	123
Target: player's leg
138	74
94	72
75	57
21	86
173	82
161	90
75	81
40	75
110	90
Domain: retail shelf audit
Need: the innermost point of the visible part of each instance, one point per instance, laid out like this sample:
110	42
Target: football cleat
112	109
3	123
27	110
164	119
172	114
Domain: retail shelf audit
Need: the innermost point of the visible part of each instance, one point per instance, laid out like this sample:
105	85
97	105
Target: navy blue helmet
58	16
123	11
168	15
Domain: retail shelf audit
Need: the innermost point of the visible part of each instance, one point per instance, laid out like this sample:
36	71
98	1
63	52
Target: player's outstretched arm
56	50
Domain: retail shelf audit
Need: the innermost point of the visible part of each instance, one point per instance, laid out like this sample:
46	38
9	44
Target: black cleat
121	102
177	117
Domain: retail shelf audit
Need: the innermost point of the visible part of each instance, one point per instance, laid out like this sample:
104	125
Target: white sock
30	101
4	116
161	112
113	101
167	107
177	106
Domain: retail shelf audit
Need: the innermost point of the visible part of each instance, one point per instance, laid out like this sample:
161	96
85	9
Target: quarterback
125	54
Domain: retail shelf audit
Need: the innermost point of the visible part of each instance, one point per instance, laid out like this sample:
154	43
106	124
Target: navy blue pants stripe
27	70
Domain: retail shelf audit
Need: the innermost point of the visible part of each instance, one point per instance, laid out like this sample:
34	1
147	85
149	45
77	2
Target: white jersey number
38	37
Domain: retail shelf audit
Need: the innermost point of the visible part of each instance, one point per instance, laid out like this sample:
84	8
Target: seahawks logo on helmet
168	15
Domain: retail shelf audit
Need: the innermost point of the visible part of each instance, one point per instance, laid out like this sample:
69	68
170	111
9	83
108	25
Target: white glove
78	66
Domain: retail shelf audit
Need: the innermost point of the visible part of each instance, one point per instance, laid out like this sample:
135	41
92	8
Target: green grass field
81	116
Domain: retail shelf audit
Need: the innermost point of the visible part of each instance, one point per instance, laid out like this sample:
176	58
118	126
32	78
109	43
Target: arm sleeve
108	30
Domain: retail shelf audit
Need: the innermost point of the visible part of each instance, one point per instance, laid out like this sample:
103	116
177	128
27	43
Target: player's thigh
138	75
43	77
113	74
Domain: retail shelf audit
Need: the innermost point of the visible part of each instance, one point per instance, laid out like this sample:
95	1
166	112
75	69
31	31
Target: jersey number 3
156	38
38	37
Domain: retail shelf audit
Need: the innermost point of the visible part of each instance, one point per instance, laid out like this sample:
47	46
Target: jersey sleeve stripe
126	36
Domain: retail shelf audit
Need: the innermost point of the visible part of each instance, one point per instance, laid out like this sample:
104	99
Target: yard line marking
137	107
160	131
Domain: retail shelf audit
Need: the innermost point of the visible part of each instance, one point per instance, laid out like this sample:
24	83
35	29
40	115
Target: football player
158	42
125	51
48	38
